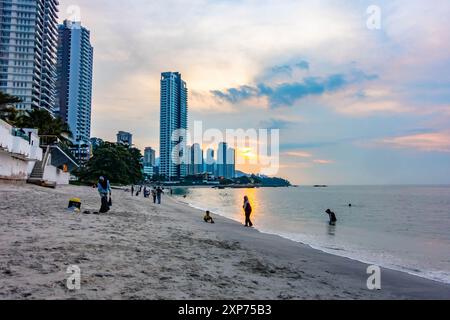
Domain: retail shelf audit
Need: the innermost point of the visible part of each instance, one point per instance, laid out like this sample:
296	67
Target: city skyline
347	114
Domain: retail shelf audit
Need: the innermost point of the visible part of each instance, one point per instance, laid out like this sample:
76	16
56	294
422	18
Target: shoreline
409	271
145	251
390	272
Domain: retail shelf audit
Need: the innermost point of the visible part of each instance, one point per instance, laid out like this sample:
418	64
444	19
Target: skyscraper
74	81
226	161
125	138
231	163
221	167
174	110
149	157
28	47
210	162
195	159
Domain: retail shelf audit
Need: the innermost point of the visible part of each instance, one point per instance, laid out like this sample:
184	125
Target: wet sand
144	251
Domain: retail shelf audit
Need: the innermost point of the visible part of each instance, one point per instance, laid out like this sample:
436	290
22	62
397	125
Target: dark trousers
105	205
248	222
154	199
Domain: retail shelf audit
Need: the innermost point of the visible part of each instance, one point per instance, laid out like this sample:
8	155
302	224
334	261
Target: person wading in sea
332	217
248	211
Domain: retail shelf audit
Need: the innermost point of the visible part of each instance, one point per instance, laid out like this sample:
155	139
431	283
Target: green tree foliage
46	124
7	111
116	162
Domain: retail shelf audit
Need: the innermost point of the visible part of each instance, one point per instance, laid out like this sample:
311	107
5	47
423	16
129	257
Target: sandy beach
144	251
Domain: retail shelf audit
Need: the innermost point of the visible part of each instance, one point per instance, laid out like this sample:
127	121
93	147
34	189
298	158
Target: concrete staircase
37	176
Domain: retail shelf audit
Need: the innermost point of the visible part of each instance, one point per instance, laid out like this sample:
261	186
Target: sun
247	153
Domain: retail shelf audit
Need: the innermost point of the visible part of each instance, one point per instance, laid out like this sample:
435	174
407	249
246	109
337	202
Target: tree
7	110
47	125
116	162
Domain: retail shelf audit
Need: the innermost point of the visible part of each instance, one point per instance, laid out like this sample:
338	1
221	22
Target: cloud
288	93
298	154
303	65
289	69
275	123
320	161
428	142
282	95
235	95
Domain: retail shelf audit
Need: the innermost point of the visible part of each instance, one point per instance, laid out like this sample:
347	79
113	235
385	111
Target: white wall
53	174
12	168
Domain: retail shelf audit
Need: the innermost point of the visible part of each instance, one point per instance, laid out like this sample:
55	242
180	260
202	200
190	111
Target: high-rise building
210	162
195	163
149	157
231	163
74	81
221	168
173	119
28	46
226	161
96	142
125	138
149	163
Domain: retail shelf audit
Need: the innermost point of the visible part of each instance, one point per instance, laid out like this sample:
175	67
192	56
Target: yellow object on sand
75	203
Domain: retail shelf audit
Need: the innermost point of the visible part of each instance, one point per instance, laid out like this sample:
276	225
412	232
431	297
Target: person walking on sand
154	195
159	192
104	189
248	211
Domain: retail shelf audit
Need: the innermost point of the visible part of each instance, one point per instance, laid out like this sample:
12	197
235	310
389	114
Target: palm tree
7	110
47	125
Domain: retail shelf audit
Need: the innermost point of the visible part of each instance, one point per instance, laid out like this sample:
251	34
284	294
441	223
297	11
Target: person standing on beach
132	190
159	192
248	211
104	189
154	195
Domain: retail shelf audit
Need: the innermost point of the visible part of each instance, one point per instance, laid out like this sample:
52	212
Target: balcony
21	144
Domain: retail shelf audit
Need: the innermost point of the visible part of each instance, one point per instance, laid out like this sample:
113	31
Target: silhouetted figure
132	190
332	217
154	195
104	189
208	217
248	211
159	192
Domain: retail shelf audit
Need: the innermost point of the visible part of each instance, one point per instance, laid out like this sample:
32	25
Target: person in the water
332	216
208	217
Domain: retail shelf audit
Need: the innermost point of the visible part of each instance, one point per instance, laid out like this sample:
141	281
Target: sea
405	228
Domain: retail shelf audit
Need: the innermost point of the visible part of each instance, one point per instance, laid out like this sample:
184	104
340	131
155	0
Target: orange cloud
319	161
298	154
439	142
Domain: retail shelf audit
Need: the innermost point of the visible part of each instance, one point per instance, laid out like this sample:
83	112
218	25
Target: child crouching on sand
208	217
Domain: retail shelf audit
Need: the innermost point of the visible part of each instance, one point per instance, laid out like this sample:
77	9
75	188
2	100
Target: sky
359	96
